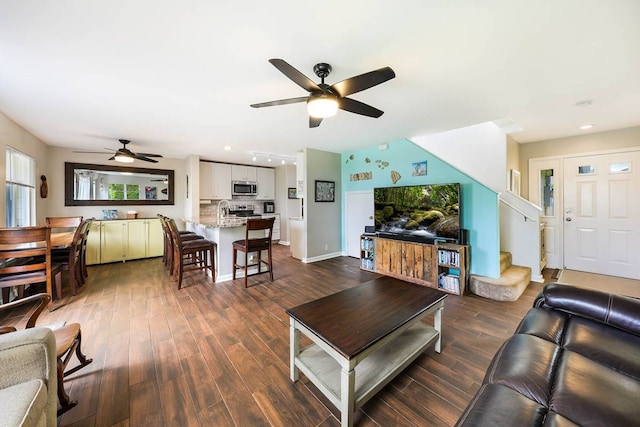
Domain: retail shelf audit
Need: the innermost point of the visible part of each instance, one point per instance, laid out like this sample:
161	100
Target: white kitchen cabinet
221	181
266	184
121	240
243	173
215	181
206	180
275	233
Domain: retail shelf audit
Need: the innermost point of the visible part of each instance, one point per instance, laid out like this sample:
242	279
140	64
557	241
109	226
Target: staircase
509	286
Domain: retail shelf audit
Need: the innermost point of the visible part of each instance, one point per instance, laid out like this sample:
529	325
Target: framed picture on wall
292	193
515	181
325	191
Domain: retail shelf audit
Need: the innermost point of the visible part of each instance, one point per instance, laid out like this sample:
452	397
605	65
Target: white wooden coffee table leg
347	398
294	349
437	325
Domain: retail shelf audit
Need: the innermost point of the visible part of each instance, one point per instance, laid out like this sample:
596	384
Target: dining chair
71	258
262	227
63	221
25	259
68	341
189	255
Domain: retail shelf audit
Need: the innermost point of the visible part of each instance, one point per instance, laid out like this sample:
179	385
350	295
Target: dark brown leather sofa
574	360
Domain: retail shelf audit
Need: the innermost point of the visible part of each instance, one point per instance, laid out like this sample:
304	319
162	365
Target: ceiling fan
324	100
125	155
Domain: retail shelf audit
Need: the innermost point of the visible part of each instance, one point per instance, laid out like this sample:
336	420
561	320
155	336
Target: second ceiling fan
324	100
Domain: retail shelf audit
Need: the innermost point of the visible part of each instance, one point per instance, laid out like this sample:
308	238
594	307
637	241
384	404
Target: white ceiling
177	77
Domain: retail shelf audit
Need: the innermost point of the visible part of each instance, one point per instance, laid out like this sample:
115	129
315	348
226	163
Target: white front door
359	212
545	188
602	214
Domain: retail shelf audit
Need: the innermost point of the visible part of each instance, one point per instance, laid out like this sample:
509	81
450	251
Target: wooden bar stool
189	255
255	227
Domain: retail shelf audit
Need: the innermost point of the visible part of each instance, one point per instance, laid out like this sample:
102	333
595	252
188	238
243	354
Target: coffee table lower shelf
373	372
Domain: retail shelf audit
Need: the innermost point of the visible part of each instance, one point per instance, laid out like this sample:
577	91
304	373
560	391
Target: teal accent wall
479	204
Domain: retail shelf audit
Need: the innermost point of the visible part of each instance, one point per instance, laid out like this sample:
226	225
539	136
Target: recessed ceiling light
227	147
585	127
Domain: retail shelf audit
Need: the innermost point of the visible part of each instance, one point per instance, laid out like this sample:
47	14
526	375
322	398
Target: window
21	189
124	192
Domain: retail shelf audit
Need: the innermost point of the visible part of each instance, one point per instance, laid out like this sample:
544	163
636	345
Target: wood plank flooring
218	354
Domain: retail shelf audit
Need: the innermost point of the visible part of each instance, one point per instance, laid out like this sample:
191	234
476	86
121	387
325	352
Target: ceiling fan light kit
122	158
324	100
322	105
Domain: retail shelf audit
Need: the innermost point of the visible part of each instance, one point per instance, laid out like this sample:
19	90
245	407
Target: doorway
591	209
359	213
602	214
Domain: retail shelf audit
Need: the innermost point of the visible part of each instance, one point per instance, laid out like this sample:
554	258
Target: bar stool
255	226
197	254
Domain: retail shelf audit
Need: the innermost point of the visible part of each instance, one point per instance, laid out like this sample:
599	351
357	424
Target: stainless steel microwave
244	188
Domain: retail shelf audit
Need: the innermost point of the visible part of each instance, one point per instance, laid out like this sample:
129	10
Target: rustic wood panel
218	354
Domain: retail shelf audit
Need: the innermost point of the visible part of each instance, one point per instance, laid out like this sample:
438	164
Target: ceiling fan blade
90	152
143	158
296	76
363	81
281	102
357	107
314	122
149	155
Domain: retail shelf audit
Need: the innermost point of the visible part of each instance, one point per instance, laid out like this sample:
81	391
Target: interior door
545	188
359	212
602	214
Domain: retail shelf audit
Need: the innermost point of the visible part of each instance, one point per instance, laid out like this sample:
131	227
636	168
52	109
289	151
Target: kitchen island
223	232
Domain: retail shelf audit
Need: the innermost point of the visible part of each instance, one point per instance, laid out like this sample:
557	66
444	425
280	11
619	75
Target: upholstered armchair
28	380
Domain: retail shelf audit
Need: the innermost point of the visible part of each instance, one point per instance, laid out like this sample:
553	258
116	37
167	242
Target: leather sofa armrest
27	355
615	310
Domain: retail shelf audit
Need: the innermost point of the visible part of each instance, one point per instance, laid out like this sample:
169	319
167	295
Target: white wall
287	208
593	142
56	158
323	220
14	136
479	150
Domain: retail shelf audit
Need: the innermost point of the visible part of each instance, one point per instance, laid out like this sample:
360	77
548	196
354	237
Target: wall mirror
107	185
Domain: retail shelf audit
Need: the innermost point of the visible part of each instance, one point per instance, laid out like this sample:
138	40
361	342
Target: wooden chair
167	254
68	342
71	259
63	221
196	254
255	226
83	255
25	259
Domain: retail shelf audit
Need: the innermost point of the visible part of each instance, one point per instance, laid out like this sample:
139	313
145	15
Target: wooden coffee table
362	338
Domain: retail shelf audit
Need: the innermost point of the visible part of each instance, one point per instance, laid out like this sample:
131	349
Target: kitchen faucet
219	204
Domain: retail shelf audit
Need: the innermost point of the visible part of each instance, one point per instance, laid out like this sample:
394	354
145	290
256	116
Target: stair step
508	287
505	261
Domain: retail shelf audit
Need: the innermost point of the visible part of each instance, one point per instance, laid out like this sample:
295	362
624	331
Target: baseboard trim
321	257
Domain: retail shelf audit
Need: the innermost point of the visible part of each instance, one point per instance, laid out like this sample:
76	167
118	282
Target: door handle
568	219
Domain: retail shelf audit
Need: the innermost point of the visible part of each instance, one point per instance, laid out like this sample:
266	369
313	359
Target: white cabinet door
112	241
155	238
243	173
136	244
206	181
221	174
266	184
93	243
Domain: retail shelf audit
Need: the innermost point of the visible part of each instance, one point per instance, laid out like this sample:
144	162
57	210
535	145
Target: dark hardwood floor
218	354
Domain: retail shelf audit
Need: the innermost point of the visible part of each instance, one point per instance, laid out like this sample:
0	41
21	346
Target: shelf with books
453	267
367	253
